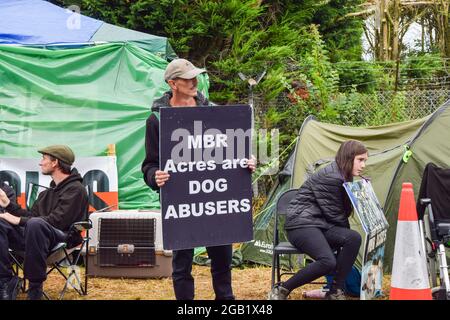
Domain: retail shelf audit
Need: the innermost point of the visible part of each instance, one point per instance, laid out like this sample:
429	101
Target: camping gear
425	140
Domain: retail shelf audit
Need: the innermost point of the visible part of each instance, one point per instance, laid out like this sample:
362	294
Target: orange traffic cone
409	271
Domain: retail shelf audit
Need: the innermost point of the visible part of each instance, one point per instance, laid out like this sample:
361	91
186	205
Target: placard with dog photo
374	224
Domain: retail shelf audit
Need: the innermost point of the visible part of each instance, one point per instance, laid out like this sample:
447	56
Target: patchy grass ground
251	283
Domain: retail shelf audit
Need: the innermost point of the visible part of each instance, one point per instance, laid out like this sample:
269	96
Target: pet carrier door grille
126	242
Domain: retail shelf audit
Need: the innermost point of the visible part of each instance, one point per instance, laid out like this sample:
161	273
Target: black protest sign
207	200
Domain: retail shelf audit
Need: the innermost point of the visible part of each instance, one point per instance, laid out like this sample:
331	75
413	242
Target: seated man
37	231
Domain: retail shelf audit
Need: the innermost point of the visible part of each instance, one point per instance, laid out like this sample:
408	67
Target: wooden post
111	150
397	74
395	31
383	39
445	28
422	25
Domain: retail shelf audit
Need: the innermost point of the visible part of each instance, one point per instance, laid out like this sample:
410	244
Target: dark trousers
183	282
36	240
320	245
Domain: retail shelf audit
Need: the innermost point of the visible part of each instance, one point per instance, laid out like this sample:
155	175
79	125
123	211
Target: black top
151	161
320	202
61	205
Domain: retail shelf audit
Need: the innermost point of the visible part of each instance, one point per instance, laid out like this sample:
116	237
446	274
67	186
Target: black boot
35	291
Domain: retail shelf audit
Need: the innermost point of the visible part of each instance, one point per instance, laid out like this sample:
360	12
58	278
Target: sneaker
35	291
337	294
278	293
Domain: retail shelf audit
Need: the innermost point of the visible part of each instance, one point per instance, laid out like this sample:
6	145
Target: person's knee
354	238
34	225
4	225
181	275
328	264
220	268
181	266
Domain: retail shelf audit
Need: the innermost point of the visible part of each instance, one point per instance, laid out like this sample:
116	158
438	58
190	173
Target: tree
392	19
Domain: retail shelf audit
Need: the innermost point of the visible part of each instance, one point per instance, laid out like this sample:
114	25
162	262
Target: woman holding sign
317	223
181	76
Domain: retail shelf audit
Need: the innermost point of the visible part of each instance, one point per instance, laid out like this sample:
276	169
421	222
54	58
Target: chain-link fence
369	109
385	107
350	109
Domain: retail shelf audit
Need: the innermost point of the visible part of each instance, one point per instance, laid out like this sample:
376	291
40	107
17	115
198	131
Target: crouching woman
317	223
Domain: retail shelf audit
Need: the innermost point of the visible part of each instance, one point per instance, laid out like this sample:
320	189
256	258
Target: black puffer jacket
320	202
60	205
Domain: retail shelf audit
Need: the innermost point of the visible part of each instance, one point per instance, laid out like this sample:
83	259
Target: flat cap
61	152
181	68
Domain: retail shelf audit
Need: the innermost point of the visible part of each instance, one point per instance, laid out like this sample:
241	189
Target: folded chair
64	255
433	208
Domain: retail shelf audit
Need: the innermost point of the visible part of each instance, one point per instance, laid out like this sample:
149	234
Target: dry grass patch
250	283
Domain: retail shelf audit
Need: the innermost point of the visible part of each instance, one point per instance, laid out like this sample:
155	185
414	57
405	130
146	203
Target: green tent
88	98
426	138
260	249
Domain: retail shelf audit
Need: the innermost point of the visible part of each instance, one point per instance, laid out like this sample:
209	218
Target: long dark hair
346	156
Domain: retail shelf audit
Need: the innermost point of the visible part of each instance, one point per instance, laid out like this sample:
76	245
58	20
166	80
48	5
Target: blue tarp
38	22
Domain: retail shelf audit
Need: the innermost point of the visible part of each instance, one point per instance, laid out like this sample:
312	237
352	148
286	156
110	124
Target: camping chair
433	208
280	248
63	255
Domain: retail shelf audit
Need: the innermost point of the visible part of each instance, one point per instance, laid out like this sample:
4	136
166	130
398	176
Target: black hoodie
60	205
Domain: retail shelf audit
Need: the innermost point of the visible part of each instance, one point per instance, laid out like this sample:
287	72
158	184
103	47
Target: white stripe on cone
409	269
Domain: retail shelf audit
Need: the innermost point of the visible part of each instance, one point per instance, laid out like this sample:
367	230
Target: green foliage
199	30
342	35
358	75
421	68
363	109
311	42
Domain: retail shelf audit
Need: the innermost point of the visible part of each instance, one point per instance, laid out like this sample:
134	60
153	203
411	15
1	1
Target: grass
249	283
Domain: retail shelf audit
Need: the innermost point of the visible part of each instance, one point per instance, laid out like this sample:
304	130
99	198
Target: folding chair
433	208
64	254
285	247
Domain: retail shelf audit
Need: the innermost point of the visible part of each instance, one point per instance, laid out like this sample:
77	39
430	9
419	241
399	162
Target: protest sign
374	224
208	199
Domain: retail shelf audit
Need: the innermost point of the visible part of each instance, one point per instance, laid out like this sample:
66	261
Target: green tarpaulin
86	98
159	46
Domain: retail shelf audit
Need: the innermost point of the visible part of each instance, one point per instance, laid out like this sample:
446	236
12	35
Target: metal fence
381	107
389	106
